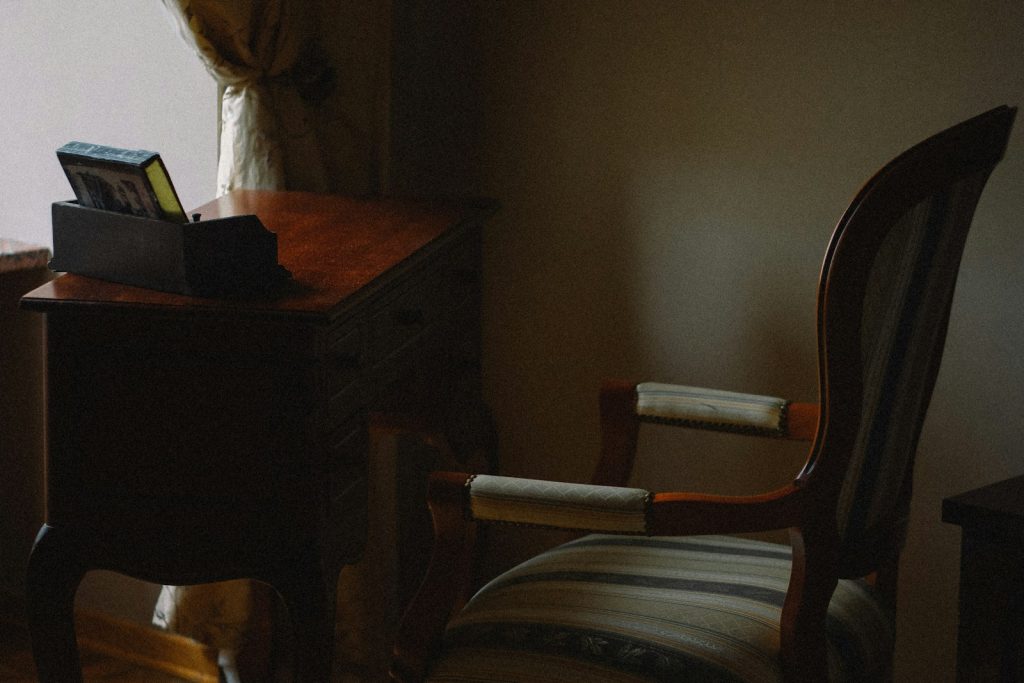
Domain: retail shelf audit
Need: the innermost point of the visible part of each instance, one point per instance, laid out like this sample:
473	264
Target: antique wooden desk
193	440
990	642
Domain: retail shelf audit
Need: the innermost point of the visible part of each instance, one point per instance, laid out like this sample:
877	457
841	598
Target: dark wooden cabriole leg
310	595
54	572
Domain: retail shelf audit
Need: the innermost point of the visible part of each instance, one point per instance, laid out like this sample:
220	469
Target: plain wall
670	174
113	73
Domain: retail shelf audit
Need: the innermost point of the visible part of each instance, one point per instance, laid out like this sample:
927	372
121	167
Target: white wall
113	72
670	174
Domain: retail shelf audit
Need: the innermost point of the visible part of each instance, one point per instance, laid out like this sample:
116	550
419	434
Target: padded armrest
533	502
711	409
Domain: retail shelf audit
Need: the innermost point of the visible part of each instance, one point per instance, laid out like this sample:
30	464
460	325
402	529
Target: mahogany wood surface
334	246
192	440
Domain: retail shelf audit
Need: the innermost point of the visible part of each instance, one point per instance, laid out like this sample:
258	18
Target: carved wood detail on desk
193	440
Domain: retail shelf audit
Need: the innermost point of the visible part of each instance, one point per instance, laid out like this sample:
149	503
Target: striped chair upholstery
909	287
624	608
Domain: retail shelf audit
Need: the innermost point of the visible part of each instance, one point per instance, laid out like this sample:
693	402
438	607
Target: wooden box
223	257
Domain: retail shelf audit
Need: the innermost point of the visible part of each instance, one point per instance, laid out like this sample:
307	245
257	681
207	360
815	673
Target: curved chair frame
808	506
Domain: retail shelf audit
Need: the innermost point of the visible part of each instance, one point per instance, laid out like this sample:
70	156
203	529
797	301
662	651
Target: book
132	181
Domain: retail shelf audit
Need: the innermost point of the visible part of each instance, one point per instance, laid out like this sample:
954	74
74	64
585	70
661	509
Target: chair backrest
884	301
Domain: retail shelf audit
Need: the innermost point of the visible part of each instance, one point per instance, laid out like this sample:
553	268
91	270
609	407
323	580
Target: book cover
131	181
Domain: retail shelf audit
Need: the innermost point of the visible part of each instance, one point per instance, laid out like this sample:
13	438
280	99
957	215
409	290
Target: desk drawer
402	319
195	427
427	297
460	277
345	360
348	448
348	401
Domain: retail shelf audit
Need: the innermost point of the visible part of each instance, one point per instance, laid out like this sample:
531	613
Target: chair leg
54	572
803	646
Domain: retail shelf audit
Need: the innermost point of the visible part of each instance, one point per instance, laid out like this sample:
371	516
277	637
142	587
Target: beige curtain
286	124
262	54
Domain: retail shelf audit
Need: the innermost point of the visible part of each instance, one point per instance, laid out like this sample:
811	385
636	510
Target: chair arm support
620	430
679	514
623	409
802	421
446	584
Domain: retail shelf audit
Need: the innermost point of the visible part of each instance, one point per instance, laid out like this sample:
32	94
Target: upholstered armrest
584	507
726	411
625	405
711	408
623	510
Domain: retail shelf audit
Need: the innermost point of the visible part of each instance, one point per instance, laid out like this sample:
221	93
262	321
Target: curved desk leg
310	594
54	572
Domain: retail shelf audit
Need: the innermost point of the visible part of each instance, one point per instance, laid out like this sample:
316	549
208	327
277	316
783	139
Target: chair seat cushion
622	608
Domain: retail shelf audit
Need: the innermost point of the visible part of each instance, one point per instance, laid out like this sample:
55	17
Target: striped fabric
711	408
556	504
620	608
910	285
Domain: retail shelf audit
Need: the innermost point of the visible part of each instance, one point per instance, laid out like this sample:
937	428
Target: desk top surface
335	247
999	503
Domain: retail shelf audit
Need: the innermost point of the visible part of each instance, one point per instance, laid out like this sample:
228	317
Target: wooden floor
16	661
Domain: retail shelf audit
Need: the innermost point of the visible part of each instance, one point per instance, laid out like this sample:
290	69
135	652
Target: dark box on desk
223	257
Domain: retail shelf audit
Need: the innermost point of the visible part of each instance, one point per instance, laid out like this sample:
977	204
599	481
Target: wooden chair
655	593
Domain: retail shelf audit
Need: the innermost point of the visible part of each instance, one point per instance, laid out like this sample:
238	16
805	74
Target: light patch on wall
113	73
